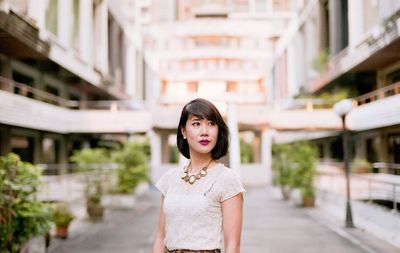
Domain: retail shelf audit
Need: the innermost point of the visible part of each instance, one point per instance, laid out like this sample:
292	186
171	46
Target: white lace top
193	212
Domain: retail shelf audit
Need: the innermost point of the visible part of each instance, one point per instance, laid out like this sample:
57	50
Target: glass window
23	146
50	149
52	16
26	81
75	25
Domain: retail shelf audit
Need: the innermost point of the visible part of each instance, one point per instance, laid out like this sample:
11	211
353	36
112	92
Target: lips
204	142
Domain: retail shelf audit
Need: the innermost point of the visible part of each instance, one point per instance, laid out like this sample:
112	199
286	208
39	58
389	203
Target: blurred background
91	93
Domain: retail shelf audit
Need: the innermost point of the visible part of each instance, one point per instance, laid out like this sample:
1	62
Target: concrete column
384	148
64	21
5	138
5	71
360	148
37	148
326	151
355	22
234	156
266	152
100	39
62	154
86	30
130	63
155	160
37	10
164	148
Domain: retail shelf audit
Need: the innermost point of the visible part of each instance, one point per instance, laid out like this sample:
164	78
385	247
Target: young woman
202	203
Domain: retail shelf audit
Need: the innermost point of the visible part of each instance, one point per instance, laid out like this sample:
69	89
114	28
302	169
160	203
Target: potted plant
304	159
360	166
22	217
282	166
132	162
62	217
93	195
90	162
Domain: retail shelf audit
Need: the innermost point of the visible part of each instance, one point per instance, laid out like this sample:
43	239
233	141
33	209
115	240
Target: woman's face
201	134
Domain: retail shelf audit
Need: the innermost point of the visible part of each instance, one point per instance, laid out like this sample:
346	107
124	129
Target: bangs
201	111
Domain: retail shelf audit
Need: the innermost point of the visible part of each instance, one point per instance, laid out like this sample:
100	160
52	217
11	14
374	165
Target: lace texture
193	212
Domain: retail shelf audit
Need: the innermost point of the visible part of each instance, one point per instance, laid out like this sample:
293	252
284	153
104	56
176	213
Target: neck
199	162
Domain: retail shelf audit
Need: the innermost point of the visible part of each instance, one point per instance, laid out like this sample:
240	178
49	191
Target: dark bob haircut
203	109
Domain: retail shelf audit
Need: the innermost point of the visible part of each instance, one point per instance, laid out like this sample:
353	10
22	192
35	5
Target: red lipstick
204	142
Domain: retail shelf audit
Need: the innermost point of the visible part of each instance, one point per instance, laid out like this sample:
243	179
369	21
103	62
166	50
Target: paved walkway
270	225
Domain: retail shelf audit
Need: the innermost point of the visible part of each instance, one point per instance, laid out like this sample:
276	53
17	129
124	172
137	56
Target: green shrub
294	165
92	161
246	152
320	61
61	214
21	216
90	158
132	162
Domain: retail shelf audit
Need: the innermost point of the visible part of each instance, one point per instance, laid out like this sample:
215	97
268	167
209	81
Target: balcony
58	115
383	106
377	50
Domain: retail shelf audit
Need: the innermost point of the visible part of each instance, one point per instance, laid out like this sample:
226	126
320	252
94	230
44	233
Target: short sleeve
232	185
163	183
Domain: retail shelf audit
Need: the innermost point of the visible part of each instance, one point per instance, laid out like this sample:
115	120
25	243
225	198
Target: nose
204	129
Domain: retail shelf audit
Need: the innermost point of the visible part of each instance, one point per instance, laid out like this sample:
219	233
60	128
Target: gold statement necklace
193	178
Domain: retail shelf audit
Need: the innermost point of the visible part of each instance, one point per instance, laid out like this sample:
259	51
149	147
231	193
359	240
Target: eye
196	123
211	123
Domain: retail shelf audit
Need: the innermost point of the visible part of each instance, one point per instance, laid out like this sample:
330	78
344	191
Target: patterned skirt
192	251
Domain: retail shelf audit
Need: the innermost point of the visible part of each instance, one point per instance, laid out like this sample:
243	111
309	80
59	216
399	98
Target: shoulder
228	173
172	172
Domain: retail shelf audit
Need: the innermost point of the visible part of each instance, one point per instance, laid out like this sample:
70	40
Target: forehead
195	117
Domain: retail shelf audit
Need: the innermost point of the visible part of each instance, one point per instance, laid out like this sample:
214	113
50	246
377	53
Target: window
75	25
52	16
23	146
26	81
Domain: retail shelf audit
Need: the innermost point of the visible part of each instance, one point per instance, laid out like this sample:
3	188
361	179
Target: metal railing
375	95
56	169
28	91
390	168
37	94
303	103
363	186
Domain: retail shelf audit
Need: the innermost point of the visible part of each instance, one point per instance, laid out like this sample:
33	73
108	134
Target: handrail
40	94
384	92
383	188
112	105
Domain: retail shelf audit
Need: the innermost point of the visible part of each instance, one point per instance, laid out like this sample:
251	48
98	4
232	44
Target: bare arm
158	245
232	215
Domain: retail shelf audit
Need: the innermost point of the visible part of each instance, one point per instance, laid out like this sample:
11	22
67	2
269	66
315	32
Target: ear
183	131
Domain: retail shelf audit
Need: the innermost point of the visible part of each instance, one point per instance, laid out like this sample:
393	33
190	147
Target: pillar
155	160
164	148
266	152
234	156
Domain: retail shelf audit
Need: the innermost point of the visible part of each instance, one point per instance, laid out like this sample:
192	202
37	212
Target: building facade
348	48
66	68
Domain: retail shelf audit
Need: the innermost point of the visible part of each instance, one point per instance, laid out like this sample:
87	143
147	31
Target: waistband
192	251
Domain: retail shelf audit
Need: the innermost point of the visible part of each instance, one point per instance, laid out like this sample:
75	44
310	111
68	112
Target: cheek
214	133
